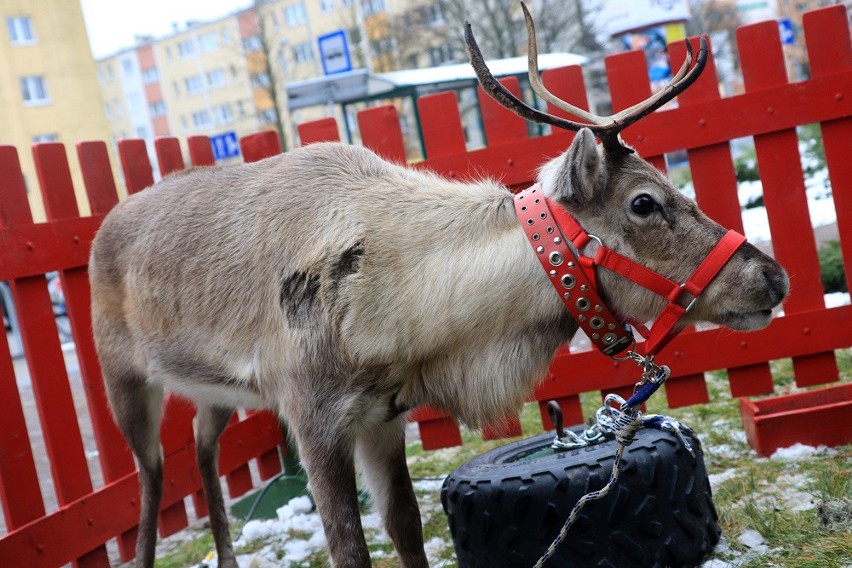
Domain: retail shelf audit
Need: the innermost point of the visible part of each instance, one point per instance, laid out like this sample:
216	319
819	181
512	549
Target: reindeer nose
777	283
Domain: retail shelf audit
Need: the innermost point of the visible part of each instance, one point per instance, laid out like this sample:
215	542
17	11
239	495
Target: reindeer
340	291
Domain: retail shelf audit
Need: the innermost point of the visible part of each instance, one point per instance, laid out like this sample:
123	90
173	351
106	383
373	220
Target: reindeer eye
643	205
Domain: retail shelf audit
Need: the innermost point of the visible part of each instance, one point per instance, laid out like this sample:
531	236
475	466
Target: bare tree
437	25
266	55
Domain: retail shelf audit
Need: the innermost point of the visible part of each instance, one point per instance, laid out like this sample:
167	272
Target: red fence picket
702	123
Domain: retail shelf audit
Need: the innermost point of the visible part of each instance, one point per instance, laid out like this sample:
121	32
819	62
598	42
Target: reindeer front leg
381	455
327	454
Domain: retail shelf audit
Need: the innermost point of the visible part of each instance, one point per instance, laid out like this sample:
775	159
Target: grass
777	499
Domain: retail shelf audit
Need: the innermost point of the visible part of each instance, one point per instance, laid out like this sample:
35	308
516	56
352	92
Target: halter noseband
549	229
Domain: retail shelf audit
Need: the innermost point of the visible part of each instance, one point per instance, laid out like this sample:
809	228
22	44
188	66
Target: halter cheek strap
549	229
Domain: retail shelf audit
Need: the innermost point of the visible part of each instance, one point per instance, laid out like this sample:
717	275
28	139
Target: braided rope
627	422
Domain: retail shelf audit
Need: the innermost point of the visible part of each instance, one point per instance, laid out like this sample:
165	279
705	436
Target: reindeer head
634	210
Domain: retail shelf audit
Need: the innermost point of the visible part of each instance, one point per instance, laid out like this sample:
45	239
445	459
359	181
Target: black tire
504	510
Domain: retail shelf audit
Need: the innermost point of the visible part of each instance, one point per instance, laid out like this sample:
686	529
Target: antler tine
535	77
679	83
502	95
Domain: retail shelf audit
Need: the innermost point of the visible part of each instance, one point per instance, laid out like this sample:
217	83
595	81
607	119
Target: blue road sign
334	52
225	145
788	33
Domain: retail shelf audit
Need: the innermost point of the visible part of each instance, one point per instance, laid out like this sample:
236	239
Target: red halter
548	225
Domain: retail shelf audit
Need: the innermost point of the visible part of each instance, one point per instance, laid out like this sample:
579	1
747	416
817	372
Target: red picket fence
87	516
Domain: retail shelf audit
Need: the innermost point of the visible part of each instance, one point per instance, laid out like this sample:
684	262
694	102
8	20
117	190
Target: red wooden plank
50	386
715	183
239	480
322	130
60	203
439	433
175	435
830	53
627	74
780	168
84	524
168	154
200	151
441	125
566	83
381	133
20	494
135	164
34	249
269	463
97	176
686	390
258	146
502	126
14	207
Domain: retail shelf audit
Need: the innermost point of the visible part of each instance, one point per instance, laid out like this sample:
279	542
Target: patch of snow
751	539
722	451
795	452
428	485
837	299
717	479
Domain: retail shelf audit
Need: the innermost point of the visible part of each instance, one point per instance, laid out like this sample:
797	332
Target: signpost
225	145
334	52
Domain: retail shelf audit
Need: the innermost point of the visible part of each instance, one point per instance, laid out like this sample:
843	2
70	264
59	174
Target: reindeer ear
577	174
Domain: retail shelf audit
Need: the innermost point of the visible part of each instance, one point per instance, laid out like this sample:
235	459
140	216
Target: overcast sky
112	24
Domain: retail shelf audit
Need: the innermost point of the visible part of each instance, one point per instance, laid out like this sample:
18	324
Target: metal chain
622	423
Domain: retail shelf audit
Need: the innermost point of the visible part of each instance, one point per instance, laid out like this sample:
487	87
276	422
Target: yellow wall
74	112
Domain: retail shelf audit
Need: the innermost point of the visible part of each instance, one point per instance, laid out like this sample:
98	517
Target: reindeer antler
606	128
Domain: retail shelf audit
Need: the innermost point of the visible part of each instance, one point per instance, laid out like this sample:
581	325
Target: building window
223	114
51	137
432	15
216	78
326	5
127	67
226	36
260	80
346	3
440	55
303	52
294	14
193	84
209	41
141	132
240	108
108	109
20	30
150	75
117	108
169	55
267	116
381	45
34	90
134	102
252	43
373	6
183	123
201	119
186	48
158	108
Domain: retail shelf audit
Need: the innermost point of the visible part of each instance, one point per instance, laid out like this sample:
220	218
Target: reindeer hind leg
210	421
137	407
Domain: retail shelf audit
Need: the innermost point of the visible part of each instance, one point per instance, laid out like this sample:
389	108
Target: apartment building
229	76
48	86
